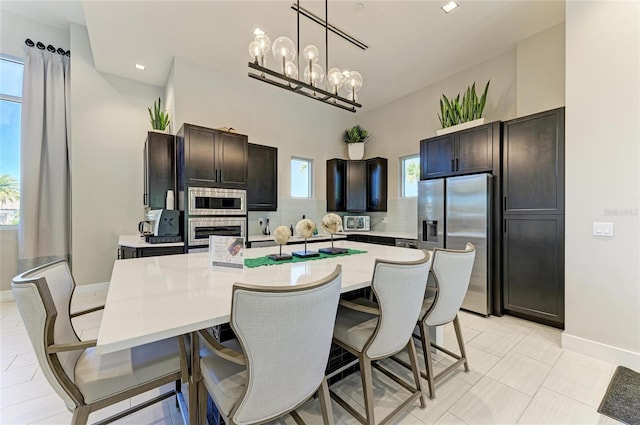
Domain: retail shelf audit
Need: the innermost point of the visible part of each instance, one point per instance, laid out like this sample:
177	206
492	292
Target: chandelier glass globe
314	76
264	42
255	51
291	70
283	47
335	79
311	53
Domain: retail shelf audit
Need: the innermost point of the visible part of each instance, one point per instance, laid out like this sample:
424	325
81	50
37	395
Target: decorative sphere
353	80
284	47
264	42
331	223
311	53
304	228
314	76
335	78
281	235
291	70
255	51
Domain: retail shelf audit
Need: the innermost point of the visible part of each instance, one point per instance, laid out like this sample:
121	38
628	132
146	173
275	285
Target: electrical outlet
384	220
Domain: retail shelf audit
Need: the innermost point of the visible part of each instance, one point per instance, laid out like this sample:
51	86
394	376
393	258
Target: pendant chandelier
339	88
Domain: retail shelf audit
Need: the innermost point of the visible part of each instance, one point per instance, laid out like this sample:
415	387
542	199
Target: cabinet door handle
504	207
505	225
457	164
452	165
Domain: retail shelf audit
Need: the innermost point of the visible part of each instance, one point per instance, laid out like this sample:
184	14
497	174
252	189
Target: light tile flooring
519	374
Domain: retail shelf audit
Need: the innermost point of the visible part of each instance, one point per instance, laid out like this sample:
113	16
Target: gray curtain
44	232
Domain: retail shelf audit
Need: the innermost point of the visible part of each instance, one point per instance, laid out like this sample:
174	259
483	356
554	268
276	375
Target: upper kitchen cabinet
262	186
533	164
211	158
376	184
469	151
357	186
159	168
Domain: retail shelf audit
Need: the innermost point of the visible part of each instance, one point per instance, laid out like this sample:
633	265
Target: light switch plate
602	228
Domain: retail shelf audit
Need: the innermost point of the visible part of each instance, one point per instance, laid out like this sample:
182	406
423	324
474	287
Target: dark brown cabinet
262	184
130	252
377	184
211	158
357	186
474	150
533	213
159	168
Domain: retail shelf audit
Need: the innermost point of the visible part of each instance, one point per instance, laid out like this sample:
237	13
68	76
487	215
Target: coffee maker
163	226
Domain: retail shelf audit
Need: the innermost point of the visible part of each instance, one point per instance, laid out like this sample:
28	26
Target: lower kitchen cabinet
380	240
262	184
534	268
129	252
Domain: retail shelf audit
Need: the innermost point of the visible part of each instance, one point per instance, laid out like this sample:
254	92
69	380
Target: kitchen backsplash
402	215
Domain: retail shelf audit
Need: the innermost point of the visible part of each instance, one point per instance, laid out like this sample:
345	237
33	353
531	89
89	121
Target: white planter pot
356	150
459	127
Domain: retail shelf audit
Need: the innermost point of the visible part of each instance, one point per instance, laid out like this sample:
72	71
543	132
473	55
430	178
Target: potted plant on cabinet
355	137
159	120
457	115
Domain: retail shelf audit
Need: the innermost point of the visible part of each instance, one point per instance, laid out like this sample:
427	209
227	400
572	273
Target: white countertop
137	241
397	235
319	237
153	298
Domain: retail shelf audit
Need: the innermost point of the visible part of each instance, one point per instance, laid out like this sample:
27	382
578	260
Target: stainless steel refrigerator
453	211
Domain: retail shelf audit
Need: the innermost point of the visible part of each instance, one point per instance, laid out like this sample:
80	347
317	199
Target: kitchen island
154	298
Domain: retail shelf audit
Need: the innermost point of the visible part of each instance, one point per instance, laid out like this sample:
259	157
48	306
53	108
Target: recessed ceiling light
140	67
449	6
258	31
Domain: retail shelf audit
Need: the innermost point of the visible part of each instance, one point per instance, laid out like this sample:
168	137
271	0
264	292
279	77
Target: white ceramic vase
459	127
356	150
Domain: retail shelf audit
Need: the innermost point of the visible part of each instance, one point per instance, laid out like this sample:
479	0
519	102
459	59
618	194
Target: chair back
399	288
452	272
43	297
285	333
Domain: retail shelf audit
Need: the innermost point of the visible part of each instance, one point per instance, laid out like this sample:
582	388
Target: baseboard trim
604	352
7	296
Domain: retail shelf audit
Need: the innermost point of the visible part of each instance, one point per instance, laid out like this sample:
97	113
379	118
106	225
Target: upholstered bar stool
85	380
376	330
279	357
448	284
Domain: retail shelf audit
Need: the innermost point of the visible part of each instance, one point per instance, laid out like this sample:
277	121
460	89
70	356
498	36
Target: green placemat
264	261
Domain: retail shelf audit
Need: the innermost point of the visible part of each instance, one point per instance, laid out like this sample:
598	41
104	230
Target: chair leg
80	415
367	387
325	403
463	353
413	357
428	361
202	403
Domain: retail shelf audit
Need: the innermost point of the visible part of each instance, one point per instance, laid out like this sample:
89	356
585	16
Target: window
409	175
10	112
301	181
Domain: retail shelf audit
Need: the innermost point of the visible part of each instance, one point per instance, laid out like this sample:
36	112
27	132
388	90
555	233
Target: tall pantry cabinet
533	213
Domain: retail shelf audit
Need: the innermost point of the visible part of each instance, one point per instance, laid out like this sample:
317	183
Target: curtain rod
49	48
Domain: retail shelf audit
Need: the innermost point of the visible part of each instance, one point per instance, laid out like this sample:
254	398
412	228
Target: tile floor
519	374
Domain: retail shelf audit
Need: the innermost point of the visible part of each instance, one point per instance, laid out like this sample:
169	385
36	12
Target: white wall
540	71
602	275
270	116
108	130
14	30
398	127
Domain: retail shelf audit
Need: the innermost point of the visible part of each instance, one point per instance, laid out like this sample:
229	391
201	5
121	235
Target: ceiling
412	43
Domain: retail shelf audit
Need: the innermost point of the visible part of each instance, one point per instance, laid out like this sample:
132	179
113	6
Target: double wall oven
214	211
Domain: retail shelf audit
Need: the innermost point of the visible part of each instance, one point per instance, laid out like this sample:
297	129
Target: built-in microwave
217	201
200	228
357	223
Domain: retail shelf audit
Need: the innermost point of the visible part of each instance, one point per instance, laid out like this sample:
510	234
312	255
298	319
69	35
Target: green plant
355	134
159	120
9	189
453	111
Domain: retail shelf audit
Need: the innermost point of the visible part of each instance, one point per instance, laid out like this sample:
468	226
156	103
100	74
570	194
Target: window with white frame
301	177
10	115
409	175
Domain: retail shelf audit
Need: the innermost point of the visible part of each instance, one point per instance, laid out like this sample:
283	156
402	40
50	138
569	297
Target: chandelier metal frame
294	85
